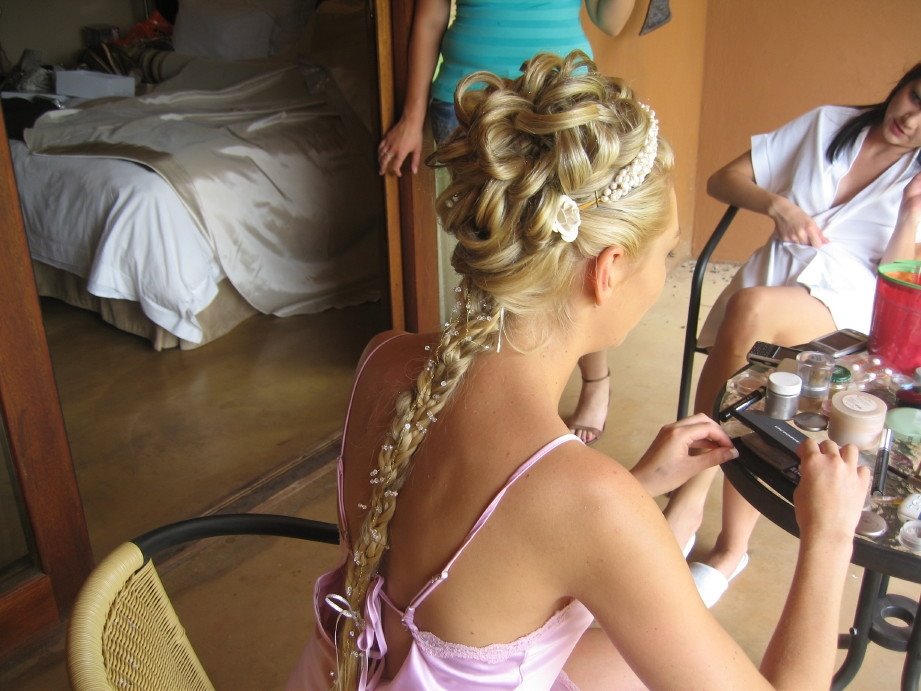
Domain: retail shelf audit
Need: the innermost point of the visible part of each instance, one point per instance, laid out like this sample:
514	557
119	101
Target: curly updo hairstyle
561	128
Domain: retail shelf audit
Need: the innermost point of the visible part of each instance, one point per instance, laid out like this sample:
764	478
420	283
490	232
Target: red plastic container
895	332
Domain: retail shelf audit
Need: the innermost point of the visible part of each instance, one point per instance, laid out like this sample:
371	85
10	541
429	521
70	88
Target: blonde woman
476	558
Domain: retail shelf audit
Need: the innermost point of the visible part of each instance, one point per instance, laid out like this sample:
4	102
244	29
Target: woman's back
500	588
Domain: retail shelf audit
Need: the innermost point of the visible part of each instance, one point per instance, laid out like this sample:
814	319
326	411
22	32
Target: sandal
575	428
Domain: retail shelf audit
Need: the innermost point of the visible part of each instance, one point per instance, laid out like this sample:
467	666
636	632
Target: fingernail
733	452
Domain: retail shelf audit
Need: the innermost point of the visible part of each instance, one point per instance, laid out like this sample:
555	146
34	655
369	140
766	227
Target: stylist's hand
793	224
680	451
832	490
403	140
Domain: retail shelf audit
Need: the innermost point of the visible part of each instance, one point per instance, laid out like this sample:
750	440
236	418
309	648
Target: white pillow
288	19
216	30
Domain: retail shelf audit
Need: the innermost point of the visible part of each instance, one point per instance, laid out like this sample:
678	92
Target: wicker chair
123	631
690	336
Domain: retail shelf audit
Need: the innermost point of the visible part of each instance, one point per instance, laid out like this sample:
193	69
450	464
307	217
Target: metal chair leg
690	335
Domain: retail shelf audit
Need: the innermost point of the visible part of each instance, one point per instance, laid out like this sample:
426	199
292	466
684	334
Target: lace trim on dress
494	652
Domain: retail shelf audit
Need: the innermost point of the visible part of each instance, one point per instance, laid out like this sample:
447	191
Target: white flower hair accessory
568	219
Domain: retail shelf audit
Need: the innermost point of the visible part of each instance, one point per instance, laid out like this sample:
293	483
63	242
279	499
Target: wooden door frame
412	248
41	597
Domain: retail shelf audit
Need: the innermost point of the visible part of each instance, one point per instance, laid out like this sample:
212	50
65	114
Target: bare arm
903	244
621	560
609	15
430	20
825	501
735	184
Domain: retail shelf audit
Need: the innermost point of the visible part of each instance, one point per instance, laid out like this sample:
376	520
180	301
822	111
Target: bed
242	183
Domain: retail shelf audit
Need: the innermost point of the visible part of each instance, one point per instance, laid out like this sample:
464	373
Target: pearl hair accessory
632	175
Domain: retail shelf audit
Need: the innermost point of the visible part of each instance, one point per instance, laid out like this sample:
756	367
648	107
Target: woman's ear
609	271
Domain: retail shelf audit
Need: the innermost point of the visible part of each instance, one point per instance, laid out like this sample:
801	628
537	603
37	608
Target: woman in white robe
843	188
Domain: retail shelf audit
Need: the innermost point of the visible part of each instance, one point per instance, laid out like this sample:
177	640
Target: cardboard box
87	84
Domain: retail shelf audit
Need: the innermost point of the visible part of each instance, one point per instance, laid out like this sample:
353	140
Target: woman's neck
878	150
876	156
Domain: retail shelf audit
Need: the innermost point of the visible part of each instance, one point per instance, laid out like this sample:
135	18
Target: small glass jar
840	378
781	399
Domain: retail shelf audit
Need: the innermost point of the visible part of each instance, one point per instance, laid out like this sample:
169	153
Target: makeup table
771	492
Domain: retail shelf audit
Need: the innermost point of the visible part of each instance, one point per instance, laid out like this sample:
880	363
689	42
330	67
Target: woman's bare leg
752	314
739	519
594	397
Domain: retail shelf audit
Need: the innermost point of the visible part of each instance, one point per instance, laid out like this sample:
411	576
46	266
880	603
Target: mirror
162	436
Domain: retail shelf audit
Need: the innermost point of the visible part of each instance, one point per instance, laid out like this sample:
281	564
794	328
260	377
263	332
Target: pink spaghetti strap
481	521
345	427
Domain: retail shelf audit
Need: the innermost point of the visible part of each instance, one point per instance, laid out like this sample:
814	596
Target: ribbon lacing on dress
369	643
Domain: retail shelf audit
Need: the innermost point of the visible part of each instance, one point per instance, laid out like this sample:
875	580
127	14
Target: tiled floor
244	601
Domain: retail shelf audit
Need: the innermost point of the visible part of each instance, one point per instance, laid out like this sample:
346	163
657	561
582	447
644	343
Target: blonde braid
473	329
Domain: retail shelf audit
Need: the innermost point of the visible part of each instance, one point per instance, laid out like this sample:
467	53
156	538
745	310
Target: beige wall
53	26
767	62
665	68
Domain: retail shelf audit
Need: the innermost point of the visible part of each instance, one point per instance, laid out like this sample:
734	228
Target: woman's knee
744	318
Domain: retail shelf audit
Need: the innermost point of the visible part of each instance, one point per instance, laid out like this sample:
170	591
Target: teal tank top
499	35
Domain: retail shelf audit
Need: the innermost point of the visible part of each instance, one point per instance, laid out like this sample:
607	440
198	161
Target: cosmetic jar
781	399
815	369
856	417
910	536
871	525
840	378
905	424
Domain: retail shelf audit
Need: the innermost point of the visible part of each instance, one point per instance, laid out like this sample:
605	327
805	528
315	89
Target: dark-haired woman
842	186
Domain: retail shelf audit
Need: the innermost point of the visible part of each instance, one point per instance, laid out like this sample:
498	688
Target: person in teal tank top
497	36
493	35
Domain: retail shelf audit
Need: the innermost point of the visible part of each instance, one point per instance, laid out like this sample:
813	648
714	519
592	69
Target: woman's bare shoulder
379	340
394	345
584	484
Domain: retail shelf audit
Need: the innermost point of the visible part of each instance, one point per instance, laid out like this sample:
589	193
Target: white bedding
93	217
261	175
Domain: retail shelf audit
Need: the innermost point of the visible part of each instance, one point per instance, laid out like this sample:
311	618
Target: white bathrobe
842	274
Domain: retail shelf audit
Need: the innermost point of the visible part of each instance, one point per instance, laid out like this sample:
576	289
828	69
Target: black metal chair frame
690	336
218	525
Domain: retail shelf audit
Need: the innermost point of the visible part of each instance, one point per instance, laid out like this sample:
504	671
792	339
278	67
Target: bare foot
588	420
